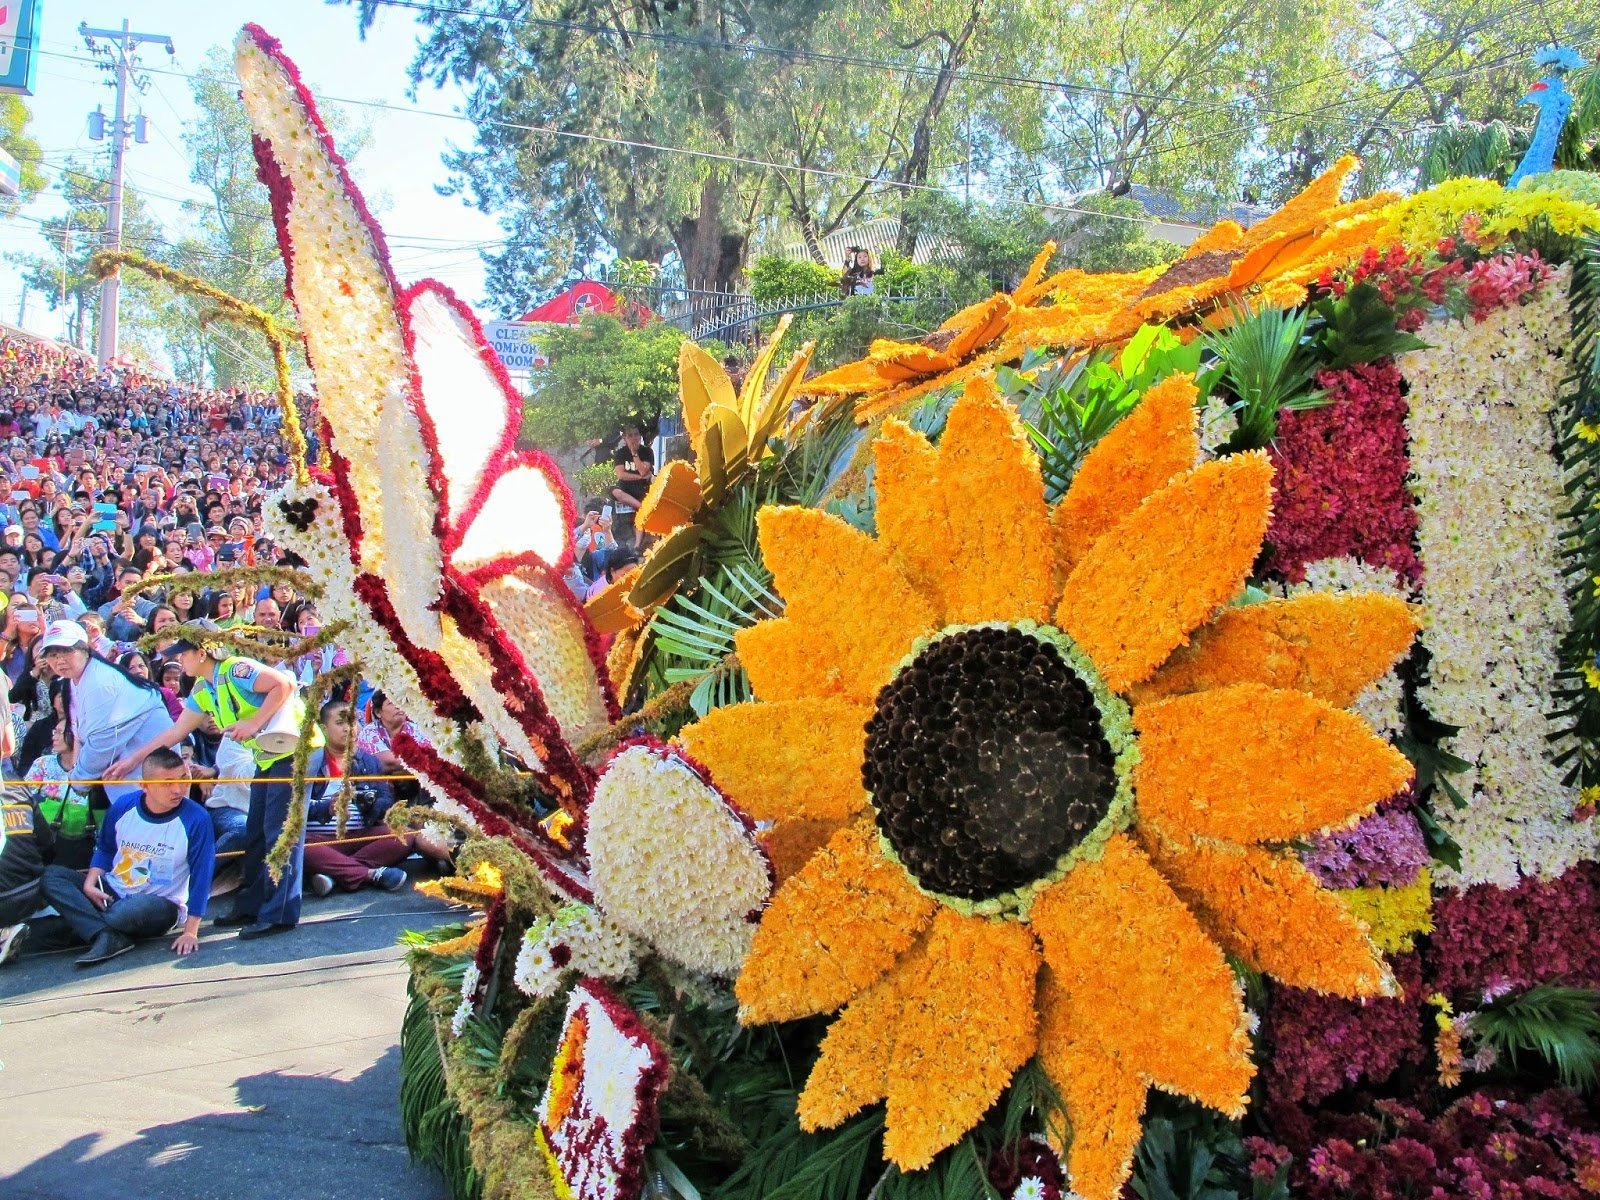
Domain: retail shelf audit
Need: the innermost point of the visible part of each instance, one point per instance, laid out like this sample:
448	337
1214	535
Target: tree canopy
14	137
707	132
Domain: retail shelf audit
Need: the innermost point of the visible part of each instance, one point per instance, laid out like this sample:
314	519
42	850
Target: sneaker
320	885
107	944
11	939
389	879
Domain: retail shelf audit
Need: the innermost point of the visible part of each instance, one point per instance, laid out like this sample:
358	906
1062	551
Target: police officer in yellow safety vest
248	700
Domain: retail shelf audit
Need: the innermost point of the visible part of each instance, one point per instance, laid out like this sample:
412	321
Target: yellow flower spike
966	1023
701	383
1149	447
1029	290
673	500
790	759
1266	909
1248	763
1330	647
831	932
1160	572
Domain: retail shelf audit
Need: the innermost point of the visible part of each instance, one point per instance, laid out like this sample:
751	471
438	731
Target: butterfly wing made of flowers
455	535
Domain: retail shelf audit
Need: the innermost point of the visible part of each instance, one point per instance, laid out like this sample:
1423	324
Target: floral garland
599	1110
696	907
1489	495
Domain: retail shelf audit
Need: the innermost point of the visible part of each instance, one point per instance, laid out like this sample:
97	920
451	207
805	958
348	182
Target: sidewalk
265	1068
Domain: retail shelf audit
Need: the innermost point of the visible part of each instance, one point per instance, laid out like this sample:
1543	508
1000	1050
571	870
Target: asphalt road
252	1069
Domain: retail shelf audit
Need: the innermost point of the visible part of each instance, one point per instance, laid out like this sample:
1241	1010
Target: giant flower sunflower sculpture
1058	768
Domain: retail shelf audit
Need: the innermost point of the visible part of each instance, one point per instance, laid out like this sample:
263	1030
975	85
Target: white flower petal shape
522	511
673	862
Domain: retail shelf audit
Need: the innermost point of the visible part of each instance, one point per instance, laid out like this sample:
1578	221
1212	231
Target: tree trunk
918	162
711	252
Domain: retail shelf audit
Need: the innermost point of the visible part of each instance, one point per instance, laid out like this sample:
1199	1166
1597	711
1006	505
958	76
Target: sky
398	170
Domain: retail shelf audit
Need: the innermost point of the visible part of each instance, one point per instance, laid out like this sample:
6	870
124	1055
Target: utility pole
124	43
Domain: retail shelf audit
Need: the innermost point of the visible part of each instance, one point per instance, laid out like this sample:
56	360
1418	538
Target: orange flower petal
791	844
1224	235
786	759
983	323
900	397
837	580
1312	207
673	499
1143	451
1104	1098
966	1025
910	511
1139	591
1143	980
1330	647
610	611
1029	289
1265	908
831	931
853	1070
991	503
788	661
1249	763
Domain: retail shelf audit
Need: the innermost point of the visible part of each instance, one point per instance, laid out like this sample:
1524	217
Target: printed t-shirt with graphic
171	855
235	692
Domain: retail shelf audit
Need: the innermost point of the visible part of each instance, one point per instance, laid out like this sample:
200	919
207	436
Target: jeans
227	826
271	793
136	916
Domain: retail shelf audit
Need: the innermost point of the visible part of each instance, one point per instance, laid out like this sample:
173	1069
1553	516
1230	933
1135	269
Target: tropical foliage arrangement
1142	736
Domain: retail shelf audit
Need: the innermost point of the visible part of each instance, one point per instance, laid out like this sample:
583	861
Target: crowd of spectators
106	479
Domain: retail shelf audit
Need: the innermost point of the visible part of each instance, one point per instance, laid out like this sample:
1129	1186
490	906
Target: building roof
1164	206
876	236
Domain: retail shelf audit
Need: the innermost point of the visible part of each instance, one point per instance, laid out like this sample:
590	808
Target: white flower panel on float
673	862
599	1113
1489	501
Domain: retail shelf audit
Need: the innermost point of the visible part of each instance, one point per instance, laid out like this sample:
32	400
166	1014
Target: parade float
1141	736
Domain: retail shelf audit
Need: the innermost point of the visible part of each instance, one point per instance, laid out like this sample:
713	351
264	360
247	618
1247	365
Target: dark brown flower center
987	762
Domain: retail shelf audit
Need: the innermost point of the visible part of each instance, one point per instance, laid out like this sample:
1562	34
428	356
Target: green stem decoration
294	828
106	263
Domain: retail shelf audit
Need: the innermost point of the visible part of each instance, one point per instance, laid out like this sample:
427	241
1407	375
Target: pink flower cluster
1386	848
1341	478
1486	1146
1318	1044
1541	931
1503	280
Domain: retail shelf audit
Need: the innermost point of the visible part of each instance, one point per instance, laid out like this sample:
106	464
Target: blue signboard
19	45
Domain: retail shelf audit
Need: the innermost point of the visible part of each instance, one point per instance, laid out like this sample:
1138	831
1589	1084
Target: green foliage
1267	366
22	146
694	635
1559	1025
993	243
601	373
1118	239
596	479
436	1131
1067	408
1188	1152
1359	327
774	279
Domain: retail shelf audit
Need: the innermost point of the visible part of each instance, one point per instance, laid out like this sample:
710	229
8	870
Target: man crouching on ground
151	868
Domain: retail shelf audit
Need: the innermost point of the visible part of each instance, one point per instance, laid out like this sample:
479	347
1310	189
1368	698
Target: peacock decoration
1554	101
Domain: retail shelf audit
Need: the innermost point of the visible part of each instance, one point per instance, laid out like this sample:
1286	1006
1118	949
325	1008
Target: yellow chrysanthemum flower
1060	784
